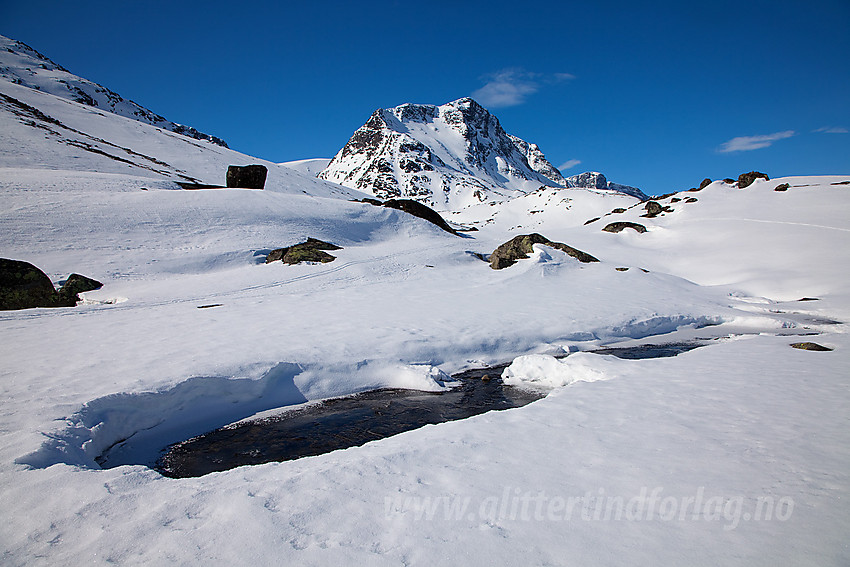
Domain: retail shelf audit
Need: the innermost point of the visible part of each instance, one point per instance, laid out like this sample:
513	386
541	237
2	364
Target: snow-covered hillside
447	156
22	65
733	453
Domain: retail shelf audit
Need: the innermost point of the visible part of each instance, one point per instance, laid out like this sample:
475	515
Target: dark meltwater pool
351	421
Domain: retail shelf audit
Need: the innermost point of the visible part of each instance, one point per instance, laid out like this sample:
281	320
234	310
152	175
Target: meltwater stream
351	421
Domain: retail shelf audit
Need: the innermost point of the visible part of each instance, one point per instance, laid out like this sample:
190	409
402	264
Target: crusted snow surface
734	453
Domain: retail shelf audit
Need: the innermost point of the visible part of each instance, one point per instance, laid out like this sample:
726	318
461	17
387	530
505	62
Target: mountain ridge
449	157
22	65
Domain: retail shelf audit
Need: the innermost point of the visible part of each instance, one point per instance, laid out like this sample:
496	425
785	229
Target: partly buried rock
653	208
521	246
76	284
414	208
782	187
622	225
23	286
247	176
811	346
417	209
747	179
310	251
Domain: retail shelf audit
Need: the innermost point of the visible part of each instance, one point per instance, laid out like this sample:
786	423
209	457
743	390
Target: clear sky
656	94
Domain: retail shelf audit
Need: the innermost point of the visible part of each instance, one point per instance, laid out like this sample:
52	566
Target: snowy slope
42	131
695	443
23	65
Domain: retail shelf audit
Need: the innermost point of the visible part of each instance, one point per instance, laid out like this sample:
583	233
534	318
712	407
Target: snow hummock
546	371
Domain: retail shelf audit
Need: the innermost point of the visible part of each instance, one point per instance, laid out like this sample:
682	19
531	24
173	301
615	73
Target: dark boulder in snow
76	284
811	346
311	251
622	225
782	187
653	208
521	246
23	286
247	176
747	179
417	209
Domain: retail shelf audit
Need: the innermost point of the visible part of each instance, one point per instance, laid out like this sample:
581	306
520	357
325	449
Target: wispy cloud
748	143
511	87
569	164
832	130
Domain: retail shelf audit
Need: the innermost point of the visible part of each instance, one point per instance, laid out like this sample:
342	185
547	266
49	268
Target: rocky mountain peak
445	156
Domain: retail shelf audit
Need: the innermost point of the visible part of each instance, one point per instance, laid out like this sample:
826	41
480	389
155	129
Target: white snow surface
734	453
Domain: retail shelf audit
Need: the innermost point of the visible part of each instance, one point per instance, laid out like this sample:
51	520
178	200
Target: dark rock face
618	210
691	200
653	207
747	179
23	286
521	246
705	183
310	251
417	209
76	284
594	219
782	187
620	226
811	346
247	177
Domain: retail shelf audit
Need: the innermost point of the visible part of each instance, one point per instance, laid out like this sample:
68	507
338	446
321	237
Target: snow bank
546	371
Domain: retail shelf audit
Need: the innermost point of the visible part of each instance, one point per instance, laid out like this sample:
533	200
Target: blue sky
656	94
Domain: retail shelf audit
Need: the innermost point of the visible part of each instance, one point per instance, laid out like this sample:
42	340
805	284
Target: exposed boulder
747	179
618	210
691	200
782	187
247	176
417	209
23	286
521	246
811	346
76	284
311	251
622	225
705	183
653	208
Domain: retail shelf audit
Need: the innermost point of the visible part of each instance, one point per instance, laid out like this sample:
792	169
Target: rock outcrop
521	246
747	179
313	250
622	225
24	286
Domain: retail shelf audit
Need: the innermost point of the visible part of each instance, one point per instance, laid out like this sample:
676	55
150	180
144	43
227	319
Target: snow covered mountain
595	180
664	461
23	65
448	156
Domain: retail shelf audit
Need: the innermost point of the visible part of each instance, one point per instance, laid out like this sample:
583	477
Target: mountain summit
445	156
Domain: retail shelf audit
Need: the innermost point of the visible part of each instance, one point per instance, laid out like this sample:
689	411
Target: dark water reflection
351	421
